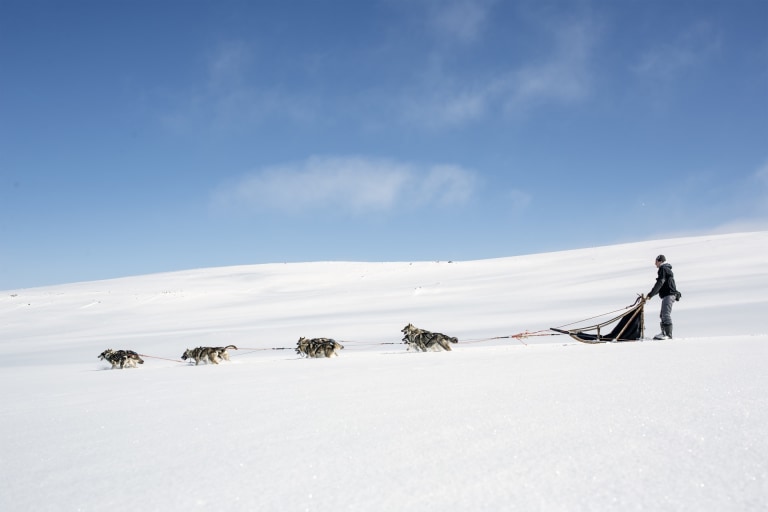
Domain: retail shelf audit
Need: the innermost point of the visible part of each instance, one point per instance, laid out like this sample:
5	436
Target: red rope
519	337
163	358
639	298
252	349
371	343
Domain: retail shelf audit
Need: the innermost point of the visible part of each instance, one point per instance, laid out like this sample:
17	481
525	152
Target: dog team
417	339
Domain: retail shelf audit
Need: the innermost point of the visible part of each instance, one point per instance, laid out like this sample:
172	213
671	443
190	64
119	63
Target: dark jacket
665	282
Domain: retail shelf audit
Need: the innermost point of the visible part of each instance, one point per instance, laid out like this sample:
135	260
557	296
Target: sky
141	137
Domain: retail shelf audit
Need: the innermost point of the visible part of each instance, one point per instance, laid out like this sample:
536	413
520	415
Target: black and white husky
422	340
208	354
318	347
121	358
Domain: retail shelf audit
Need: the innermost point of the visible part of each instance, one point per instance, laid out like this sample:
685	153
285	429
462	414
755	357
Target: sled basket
630	326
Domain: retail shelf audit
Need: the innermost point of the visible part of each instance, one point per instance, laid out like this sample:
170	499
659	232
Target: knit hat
661	258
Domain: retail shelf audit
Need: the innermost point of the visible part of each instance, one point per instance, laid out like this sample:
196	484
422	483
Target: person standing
667	290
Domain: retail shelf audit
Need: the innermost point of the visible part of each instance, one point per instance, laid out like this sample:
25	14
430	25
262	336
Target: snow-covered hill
544	424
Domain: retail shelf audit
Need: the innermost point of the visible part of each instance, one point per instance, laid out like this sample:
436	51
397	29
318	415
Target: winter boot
663	334
667	330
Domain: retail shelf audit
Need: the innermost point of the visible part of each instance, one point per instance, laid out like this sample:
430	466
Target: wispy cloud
459	20
238	89
518	200
347	185
228	64
231	94
446	184
692	47
761	176
565	77
561	76
446	106
746	204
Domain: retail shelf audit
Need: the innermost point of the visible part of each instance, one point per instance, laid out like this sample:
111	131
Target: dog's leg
445	344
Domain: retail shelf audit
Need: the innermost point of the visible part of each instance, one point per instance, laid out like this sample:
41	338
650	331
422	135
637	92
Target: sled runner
630	326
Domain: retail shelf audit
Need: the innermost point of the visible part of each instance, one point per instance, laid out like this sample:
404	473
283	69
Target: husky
121	358
222	352
304	347
212	354
318	347
422	340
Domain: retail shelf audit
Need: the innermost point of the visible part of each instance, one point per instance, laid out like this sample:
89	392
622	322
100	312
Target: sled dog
222	352
422	340
121	358
318	347
209	354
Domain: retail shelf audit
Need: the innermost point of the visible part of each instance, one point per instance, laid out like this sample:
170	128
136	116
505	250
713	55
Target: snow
542	423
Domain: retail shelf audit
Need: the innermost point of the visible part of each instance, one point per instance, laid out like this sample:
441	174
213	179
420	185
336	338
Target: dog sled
630	326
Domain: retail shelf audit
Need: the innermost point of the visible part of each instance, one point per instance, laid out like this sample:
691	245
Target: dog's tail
230	346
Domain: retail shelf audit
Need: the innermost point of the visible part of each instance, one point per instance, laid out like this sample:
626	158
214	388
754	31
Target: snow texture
539	423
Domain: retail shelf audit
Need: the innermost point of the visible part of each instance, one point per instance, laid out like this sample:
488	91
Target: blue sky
140	137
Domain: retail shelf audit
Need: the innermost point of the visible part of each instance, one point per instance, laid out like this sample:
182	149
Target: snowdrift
547	425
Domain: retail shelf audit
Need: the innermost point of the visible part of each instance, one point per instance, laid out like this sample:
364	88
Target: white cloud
694	46
465	106
233	95
762	174
563	76
228	64
439	109
238	94
347	185
749	203
461	20
517	200
447	184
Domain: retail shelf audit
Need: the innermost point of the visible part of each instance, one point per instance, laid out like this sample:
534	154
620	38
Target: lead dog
212	354
121	358
423	340
318	347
